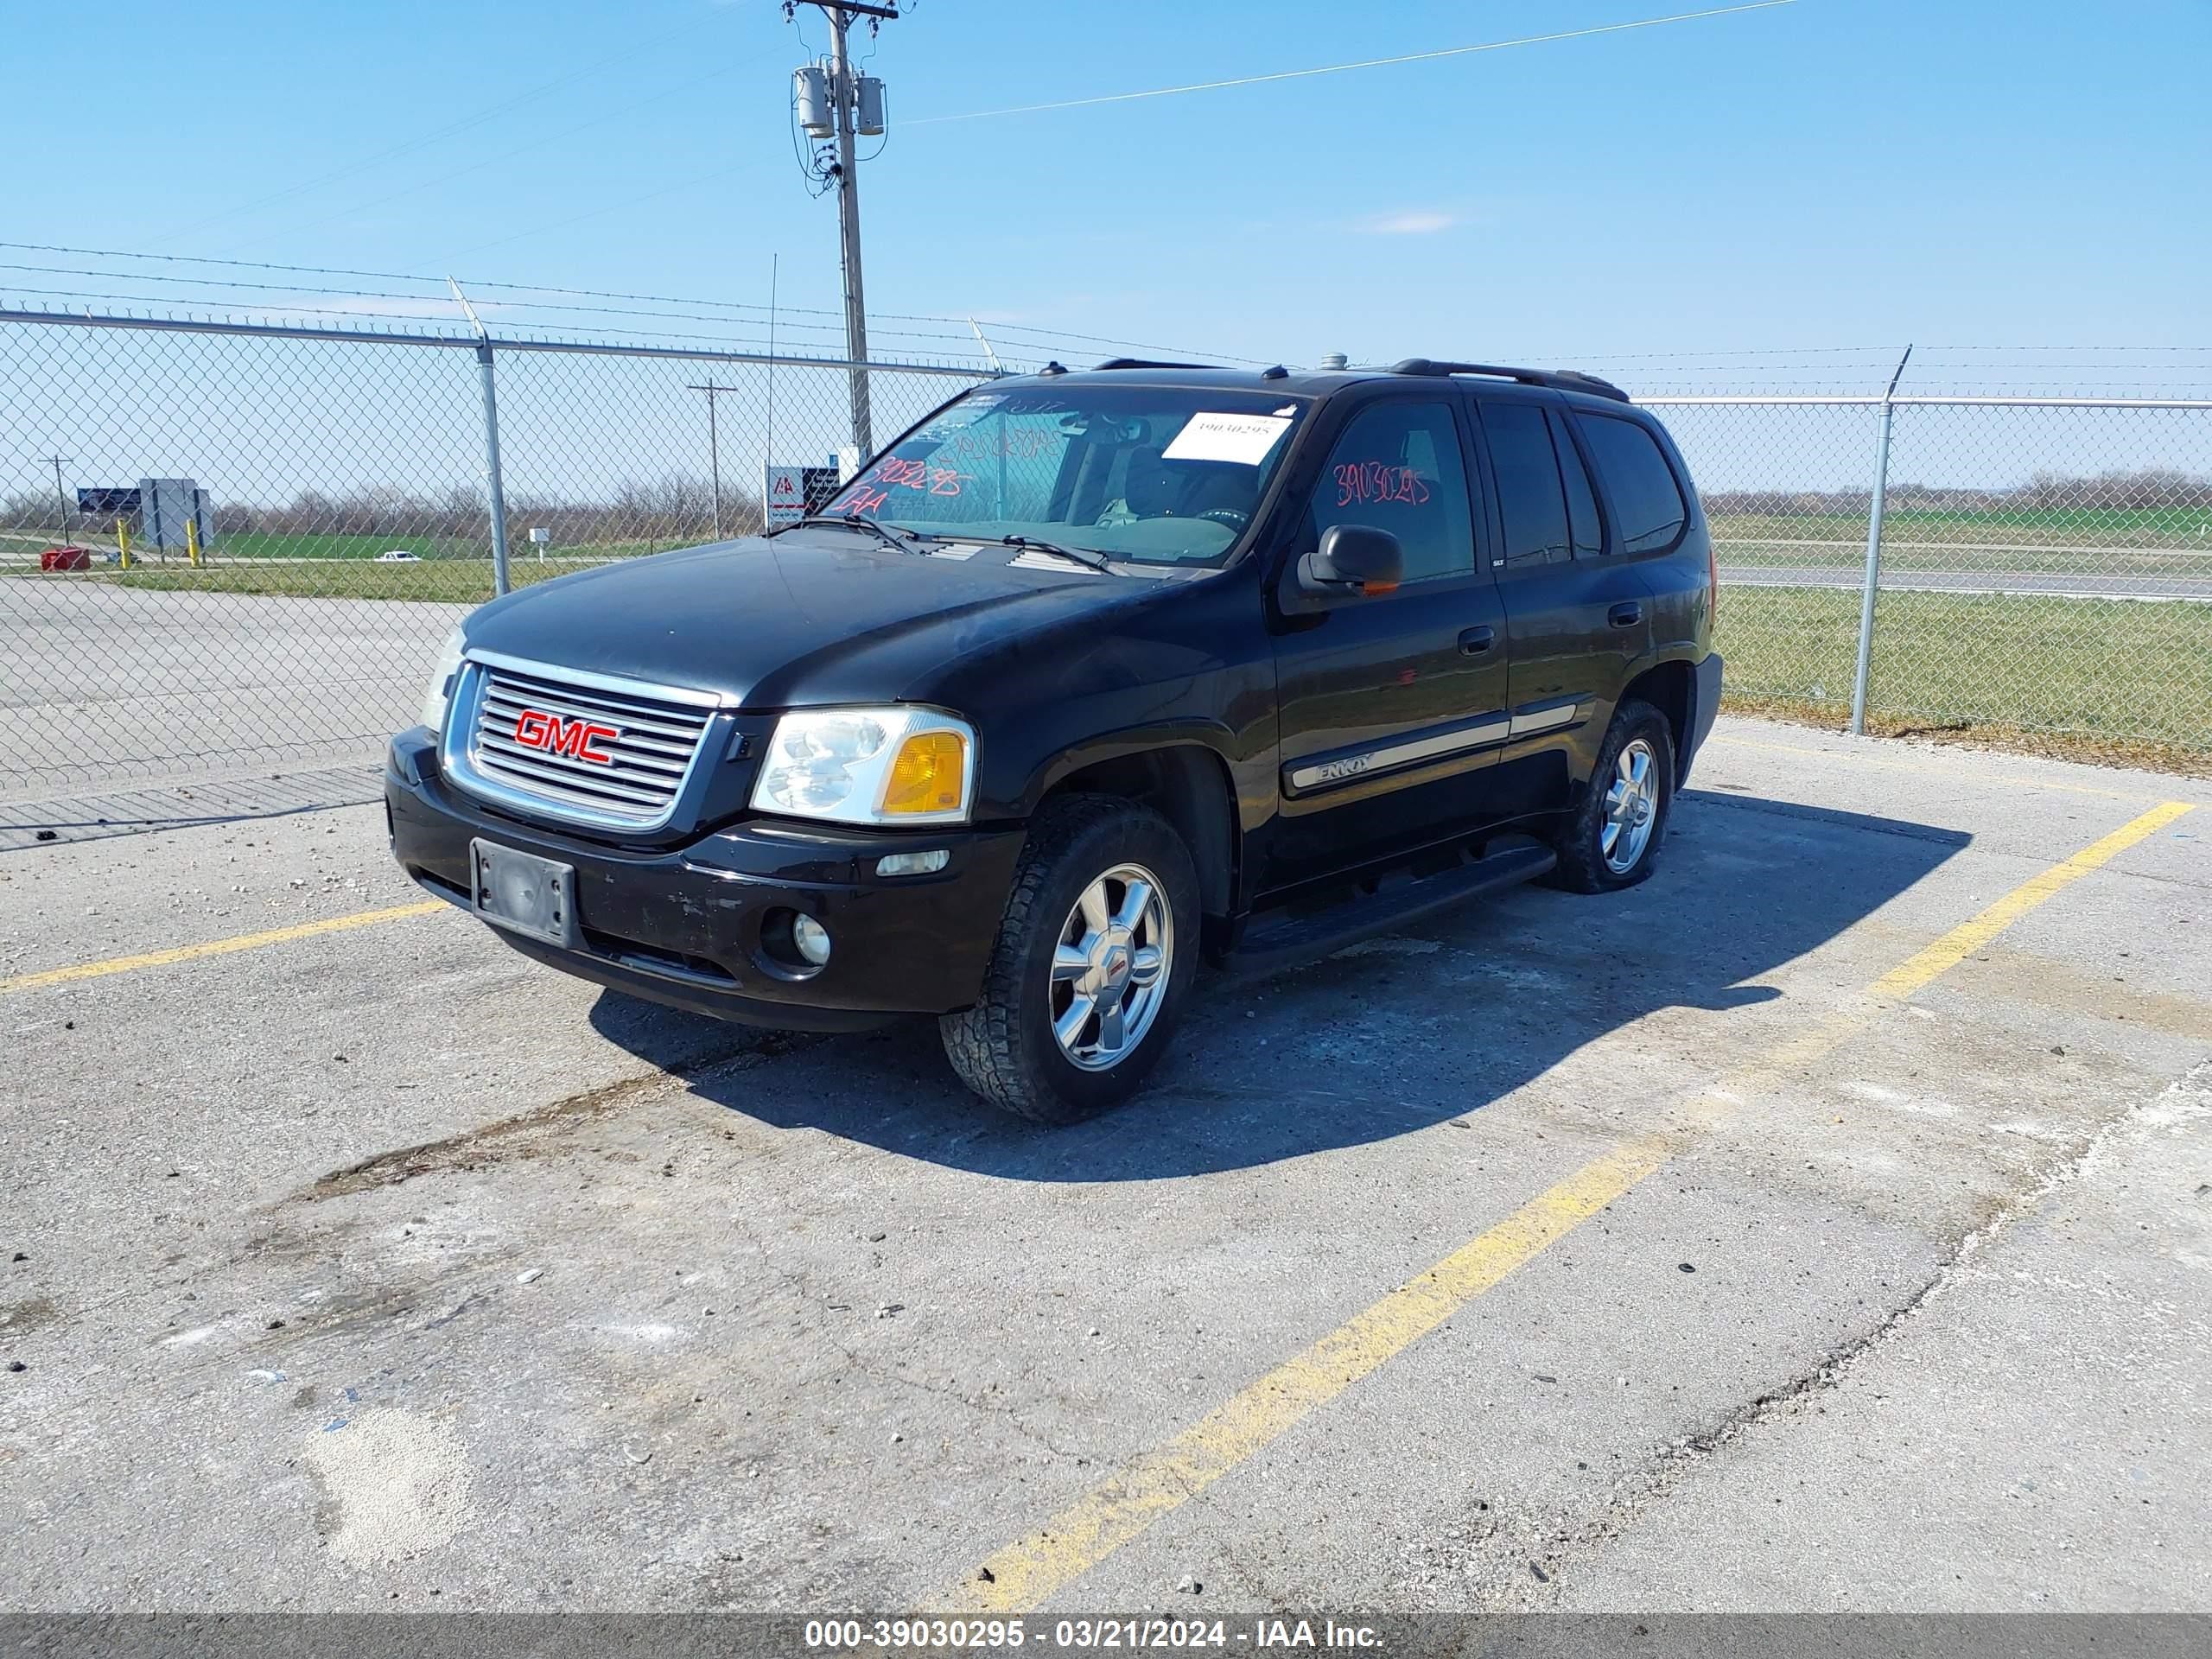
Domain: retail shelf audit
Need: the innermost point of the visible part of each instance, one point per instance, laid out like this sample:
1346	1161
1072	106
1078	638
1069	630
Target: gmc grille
651	755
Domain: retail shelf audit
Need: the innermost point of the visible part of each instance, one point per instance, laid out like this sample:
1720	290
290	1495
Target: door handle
1475	641
1625	615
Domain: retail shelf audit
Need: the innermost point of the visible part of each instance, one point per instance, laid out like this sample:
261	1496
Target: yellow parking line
1122	1507
216	947
1025	1574
1968	937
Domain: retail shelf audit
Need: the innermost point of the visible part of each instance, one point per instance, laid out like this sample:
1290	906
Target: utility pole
844	94
849	230
715	447
61	496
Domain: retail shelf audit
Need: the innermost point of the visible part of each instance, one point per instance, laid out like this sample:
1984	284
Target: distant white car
397	556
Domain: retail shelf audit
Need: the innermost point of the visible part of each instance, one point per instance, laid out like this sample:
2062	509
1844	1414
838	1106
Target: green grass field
2108	675
453	582
2171	544
263	544
2175	527
256	546
2161	542
2116	671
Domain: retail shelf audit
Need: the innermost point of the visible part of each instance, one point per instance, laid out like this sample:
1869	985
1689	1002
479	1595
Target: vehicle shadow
188	805
1393	1035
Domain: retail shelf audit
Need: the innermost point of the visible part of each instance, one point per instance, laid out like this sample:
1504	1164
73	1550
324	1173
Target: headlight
869	765
439	692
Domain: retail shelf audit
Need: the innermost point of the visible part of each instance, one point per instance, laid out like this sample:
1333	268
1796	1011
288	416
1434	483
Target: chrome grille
658	741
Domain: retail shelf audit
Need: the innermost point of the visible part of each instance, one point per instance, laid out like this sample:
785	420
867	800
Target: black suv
1085	676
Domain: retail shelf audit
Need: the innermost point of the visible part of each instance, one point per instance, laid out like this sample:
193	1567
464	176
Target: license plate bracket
523	894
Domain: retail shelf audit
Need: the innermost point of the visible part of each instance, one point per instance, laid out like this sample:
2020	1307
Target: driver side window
1397	468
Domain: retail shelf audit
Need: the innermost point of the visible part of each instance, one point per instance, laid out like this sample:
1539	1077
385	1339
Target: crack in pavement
2189	1097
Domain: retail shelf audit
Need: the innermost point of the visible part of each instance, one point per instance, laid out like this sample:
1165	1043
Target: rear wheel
1611	840
1094	958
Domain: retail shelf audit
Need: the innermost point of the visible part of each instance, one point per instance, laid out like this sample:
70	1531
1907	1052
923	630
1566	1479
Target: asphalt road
104	687
100	683
1825	1224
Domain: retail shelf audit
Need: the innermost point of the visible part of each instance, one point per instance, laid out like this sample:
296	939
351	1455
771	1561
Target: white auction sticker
1245	439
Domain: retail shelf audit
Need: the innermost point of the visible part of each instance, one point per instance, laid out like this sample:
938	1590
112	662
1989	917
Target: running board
1276	946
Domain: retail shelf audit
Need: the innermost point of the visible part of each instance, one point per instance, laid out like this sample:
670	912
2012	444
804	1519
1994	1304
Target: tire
1587	863
1006	1048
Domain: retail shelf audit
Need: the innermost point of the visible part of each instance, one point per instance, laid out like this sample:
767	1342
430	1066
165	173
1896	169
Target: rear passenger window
1648	509
1396	467
1581	502
1530	499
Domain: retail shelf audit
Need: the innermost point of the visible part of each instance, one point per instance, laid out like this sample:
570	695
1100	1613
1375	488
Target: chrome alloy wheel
1631	807
1111	967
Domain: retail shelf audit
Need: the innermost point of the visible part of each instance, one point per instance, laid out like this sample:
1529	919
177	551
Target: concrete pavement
375	1268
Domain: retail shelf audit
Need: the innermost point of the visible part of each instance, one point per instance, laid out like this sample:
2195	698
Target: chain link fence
2044	565
234	548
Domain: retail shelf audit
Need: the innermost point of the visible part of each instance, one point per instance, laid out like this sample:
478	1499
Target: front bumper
683	925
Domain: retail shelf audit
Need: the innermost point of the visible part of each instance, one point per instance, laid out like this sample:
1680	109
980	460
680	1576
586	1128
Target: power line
473	284
409	276
1101	340
597	67
1364	63
600	213
659	96
305	289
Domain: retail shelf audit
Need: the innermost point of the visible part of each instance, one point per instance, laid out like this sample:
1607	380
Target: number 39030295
1378	481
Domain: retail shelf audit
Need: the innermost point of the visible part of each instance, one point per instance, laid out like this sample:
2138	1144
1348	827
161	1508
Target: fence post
715	459
495	485
1874	552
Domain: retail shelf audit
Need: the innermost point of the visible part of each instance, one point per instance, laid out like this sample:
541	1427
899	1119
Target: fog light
927	863
812	940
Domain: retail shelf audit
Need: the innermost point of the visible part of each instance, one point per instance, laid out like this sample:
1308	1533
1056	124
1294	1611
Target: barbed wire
289	289
210	285
783	314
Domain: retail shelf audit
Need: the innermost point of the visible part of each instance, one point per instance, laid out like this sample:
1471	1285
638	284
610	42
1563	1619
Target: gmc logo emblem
577	738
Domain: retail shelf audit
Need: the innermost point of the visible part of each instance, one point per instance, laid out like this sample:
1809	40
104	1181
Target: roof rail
1558	380
1147	363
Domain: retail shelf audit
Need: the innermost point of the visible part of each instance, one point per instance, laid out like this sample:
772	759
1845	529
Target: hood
800	620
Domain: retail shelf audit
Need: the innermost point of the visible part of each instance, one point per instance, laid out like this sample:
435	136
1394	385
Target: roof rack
1558	380
1147	363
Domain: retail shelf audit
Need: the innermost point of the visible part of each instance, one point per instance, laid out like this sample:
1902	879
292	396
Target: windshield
1155	475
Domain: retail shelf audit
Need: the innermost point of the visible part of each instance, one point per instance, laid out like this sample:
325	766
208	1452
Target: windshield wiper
906	541
1075	556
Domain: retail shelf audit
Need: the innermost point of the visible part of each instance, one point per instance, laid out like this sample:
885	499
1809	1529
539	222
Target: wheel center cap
1111	959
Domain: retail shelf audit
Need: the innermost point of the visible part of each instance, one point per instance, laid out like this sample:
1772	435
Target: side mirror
1353	559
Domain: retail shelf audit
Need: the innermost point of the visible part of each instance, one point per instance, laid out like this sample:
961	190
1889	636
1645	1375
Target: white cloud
1410	223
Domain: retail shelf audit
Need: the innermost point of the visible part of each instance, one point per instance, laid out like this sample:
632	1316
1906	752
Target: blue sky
1827	173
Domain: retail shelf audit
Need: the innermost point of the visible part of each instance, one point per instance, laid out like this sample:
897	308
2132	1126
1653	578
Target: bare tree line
674	509
679	508
2140	489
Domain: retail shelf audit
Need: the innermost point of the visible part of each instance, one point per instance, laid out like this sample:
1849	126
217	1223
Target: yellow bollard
192	542
122	542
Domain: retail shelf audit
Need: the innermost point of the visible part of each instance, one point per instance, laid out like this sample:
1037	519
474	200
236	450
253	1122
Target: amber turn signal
927	774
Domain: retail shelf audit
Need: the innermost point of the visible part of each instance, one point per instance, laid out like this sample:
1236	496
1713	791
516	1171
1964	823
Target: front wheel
1611	840
1094	958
